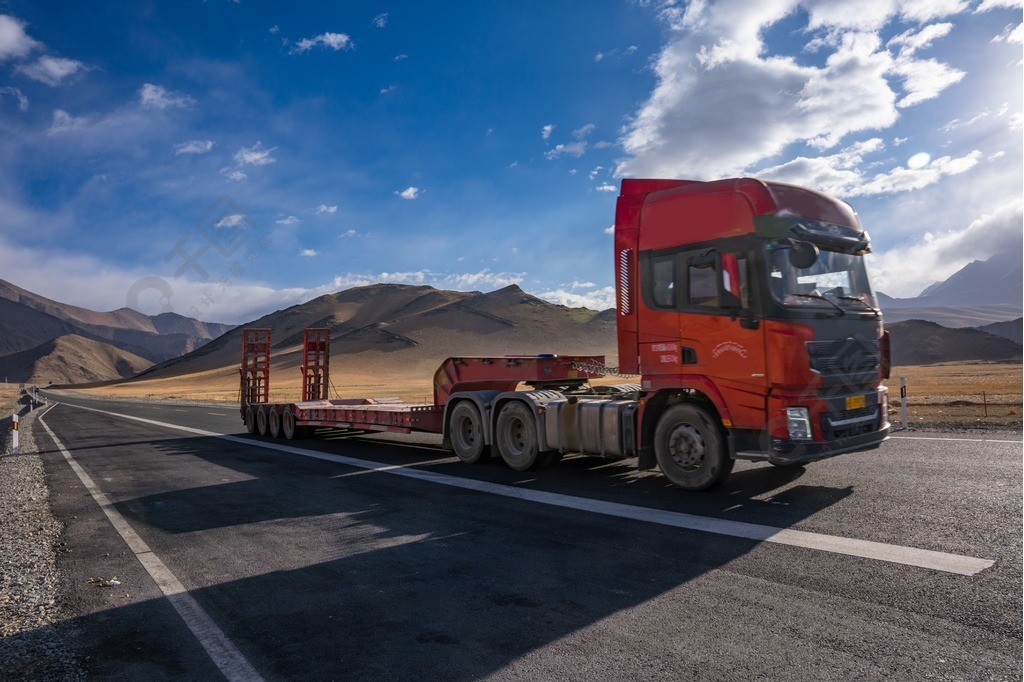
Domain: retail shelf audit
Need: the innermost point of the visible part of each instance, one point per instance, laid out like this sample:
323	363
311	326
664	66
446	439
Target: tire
261	422
516	436
690	448
250	421
288	428
274	423
466	430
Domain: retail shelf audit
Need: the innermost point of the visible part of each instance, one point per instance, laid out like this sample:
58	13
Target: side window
703	286
663	280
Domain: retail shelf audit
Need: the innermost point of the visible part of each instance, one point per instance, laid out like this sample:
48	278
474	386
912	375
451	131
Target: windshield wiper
841	309
876	311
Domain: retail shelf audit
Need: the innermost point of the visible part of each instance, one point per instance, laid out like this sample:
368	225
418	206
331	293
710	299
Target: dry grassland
950	394
959	393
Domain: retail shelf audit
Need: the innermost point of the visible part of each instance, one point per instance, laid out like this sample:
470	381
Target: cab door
719	322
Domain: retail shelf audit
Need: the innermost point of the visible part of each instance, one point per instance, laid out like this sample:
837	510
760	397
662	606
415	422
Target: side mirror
803	255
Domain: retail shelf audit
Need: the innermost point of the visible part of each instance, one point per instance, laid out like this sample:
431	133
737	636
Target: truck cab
747	311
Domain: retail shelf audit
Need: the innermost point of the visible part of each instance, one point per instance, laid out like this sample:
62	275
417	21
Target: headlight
798	423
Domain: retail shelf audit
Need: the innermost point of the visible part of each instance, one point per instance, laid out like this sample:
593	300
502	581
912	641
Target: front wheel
690	448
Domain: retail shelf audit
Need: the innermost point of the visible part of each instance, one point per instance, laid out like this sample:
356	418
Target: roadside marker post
14	434
904	412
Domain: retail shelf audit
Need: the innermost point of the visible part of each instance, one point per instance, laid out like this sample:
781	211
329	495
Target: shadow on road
325	574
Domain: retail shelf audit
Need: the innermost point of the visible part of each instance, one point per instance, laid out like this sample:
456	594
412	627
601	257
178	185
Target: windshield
838	278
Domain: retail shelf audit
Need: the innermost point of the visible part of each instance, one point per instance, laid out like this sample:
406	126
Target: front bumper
790	452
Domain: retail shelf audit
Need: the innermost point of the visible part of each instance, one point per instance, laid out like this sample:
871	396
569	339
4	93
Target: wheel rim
516	435
687	447
465	433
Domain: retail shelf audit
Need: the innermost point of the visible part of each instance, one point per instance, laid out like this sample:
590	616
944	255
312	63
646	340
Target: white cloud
16	94
911	41
594	173
50	70
390	88
334	41
576	149
723	102
63	122
597	299
14	42
194	147
275	29
254	155
924	79
409	193
987	5
1011	34
583	131
400	57
545	132
348	233
610	229
324	208
158	97
233	174
1016	122
290	220
309	253
233	220
840	173
606	188
906	270
381	20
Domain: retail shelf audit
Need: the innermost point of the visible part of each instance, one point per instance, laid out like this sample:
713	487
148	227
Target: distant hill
28	320
398	326
981	292
1012	329
919	342
70	359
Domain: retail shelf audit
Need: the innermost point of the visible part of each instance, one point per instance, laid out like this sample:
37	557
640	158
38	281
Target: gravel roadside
34	645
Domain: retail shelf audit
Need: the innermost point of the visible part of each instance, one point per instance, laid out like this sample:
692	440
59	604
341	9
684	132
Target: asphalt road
319	570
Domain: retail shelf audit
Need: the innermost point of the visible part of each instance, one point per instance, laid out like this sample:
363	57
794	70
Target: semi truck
744	312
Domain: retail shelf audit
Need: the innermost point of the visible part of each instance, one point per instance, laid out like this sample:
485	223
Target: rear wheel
250	420
466	431
261	422
516	436
274	423
288	427
690	448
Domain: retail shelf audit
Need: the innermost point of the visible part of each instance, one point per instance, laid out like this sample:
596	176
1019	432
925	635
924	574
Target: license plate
855	402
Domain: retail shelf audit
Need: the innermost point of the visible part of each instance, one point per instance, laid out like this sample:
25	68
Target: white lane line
224	653
961	440
909	556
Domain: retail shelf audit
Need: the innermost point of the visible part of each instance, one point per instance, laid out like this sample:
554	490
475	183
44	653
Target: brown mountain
413	328
1012	329
919	342
70	359
27	320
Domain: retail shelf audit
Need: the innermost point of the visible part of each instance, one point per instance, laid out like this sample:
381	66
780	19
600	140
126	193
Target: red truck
743	306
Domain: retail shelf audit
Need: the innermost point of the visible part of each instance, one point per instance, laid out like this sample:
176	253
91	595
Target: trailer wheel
261	422
466	429
690	448
516	436
288	428
250	421
274	423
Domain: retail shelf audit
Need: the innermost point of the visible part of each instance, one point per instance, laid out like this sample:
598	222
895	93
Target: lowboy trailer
743	306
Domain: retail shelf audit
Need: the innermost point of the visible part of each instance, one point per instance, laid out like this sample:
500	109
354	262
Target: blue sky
294	151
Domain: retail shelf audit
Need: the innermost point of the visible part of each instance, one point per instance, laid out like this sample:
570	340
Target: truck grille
847	365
